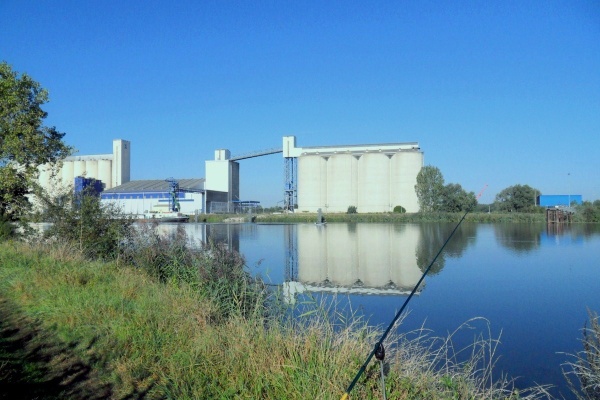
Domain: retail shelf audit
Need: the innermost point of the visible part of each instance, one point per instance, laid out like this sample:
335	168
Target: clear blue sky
495	92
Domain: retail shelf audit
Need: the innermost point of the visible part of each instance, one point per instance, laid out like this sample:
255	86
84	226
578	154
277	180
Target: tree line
434	196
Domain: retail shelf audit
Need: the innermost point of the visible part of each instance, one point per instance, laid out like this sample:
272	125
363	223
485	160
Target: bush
213	270
97	230
352	210
399	210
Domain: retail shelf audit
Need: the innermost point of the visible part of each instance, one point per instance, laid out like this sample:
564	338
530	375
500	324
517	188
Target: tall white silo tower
121	172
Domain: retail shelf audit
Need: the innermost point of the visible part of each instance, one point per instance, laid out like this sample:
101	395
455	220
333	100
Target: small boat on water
171	216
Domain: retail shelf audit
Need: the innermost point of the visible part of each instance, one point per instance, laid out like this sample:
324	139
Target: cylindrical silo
374	181
44	176
91	168
310	196
78	168
405	168
67	173
339	182
105	173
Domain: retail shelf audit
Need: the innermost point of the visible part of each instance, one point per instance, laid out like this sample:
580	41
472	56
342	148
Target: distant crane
174	190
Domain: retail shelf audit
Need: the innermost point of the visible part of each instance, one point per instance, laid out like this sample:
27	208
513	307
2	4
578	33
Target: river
533	283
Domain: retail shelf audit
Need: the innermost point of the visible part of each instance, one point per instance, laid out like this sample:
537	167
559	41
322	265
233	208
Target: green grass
163	337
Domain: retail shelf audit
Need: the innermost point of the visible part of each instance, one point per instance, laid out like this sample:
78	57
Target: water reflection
520	238
434	235
358	256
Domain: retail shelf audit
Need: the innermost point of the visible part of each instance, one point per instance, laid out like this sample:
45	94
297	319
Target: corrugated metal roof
156	185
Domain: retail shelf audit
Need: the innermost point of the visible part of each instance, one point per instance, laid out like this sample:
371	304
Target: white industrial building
373	178
111	169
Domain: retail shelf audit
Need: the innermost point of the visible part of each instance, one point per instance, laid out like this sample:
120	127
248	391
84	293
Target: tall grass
583	374
154	324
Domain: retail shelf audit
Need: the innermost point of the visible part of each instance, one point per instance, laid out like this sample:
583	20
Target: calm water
533	284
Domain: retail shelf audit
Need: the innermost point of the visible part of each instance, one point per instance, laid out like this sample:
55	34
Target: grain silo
67	172
112	169
373	177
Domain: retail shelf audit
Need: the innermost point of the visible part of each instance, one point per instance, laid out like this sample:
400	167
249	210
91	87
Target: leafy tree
429	189
456	199
25	143
351	210
517	198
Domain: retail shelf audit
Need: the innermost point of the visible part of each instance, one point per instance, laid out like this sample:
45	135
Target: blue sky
495	92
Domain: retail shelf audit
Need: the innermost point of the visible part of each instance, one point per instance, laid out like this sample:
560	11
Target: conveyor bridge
258	153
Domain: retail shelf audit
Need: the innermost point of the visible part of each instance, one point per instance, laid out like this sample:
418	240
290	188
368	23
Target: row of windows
117	196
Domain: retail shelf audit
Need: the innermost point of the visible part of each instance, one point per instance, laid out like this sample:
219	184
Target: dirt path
34	365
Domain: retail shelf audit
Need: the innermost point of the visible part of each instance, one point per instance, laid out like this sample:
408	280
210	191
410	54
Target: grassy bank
403	218
146	336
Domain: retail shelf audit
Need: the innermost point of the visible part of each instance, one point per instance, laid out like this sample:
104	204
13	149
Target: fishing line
379	345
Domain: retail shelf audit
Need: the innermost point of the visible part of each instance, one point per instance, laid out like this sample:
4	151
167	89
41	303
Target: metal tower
290	199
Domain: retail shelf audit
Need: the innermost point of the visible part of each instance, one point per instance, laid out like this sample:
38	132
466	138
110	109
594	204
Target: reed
583	372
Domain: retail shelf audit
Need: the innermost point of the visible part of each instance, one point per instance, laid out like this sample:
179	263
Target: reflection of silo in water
342	255
224	233
404	271
374	254
377	254
312	253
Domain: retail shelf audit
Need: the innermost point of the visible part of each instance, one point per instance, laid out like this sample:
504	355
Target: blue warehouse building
149	196
558	200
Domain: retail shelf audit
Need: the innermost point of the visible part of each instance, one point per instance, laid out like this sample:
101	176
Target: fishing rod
378	350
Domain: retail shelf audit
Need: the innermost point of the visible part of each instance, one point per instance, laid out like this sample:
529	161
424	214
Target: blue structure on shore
559	200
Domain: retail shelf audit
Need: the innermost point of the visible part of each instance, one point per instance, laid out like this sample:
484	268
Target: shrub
352	210
399	210
97	230
212	269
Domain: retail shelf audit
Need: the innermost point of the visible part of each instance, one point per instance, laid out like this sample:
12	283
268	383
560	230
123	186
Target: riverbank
142	336
403	218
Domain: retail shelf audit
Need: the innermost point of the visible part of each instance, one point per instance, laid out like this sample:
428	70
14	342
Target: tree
25	143
456	199
429	188
517	198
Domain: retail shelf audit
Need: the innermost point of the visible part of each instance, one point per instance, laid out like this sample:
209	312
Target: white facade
137	204
112	169
373	178
223	177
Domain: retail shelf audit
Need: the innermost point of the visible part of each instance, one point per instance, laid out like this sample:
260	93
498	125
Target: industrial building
111	169
372	178
559	200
